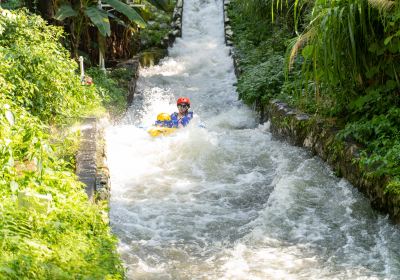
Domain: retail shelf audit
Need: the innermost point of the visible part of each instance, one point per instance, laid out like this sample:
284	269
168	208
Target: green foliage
80	15
41	77
393	187
357	63
11	4
260	53
344	64
98	16
48	228
380	135
67	237
262	82
351	53
356	56
158	26
112	88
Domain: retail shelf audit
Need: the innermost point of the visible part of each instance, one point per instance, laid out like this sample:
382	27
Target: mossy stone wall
319	137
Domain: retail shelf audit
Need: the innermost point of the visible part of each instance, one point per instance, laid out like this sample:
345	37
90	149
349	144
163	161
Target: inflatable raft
156	131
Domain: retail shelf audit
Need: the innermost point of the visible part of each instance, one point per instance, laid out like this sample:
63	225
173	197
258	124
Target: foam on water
228	201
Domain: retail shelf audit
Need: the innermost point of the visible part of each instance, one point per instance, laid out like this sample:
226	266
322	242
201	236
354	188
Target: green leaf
10	117
161	4
64	12
14	186
127	11
307	51
100	19
387	40
117	20
373	47
391	84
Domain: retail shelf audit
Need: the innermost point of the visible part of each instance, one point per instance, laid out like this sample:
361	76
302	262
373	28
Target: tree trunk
46	9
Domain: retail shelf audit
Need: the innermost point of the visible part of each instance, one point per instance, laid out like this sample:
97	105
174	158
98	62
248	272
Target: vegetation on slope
48	228
335	59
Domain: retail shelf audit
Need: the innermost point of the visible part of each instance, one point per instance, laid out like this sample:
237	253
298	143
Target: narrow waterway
228	201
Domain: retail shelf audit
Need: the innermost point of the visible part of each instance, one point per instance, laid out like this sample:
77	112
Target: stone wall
91	165
176	24
319	137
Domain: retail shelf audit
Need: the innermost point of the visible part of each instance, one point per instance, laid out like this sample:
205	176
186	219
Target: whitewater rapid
229	201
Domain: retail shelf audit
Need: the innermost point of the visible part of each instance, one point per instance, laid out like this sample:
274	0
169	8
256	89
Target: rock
302	117
176	14
226	18
228	33
163	25
179	4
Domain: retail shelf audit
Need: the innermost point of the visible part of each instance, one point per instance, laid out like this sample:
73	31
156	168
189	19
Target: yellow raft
156	131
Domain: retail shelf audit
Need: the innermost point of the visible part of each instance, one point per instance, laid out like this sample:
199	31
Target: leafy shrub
344	65
263	81
260	53
11	4
112	88
68	236
48	228
380	137
42	76
158	25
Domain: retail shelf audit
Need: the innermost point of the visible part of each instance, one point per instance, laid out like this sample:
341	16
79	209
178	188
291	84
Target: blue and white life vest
184	121
164	123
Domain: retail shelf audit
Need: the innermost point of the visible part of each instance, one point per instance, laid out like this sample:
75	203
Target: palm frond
382	5
300	42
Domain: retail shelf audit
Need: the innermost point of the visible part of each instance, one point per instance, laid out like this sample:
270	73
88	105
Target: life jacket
184	121
164	123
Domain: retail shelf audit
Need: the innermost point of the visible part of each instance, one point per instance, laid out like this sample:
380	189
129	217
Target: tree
81	16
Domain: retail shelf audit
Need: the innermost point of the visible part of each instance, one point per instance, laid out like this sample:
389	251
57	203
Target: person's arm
174	120
186	119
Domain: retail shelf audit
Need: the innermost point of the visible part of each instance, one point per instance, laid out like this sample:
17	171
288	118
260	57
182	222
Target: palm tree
84	18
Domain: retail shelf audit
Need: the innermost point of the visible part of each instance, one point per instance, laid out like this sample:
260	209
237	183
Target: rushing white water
228	201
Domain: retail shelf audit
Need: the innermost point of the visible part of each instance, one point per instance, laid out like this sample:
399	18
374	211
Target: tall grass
343	62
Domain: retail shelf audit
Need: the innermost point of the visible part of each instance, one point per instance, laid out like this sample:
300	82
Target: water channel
229	201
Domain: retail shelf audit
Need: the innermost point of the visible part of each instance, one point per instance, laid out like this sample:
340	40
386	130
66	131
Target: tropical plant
50	88
48	227
83	13
360	51
11	4
343	62
112	87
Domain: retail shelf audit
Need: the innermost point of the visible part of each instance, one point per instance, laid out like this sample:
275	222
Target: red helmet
183	100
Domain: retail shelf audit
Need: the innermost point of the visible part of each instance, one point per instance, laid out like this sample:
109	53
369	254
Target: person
163	120
183	116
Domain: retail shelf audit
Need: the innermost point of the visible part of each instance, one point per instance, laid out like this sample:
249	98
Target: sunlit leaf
10	117
100	19
161	4
64	12
128	11
14	186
